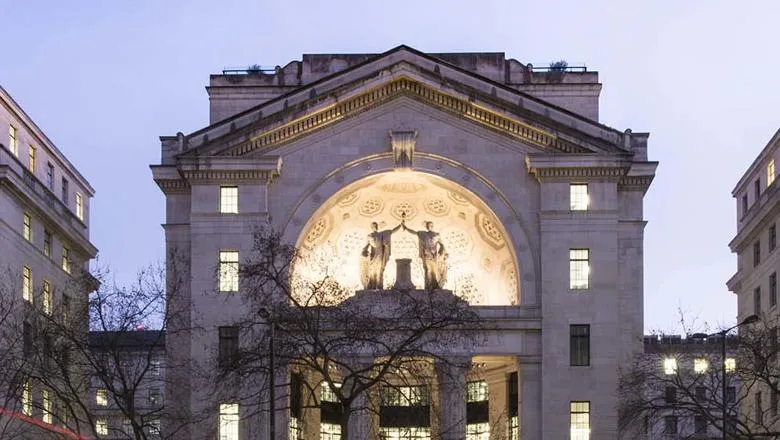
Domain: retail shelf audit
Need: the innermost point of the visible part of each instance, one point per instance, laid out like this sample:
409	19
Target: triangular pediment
404	72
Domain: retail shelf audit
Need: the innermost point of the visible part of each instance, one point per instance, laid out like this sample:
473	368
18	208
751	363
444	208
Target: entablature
620	169
204	170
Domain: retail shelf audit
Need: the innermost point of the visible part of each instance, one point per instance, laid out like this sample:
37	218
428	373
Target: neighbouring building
537	202
44	237
140	357
758	262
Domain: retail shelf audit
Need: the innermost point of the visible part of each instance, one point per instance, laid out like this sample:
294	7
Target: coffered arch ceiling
481	266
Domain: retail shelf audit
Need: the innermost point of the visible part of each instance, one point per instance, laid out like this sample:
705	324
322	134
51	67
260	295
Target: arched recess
306	227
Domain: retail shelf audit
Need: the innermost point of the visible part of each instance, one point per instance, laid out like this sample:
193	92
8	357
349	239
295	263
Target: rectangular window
773	289
670	366
731	365
228	199
228	271
477	391
47	243
579	413
48	297
578	197
770	172
65	309
330	431
154	367
65	259
758	407
579	344
26	398
670	425
64	189
773	402
27	283
101	397
701	394
47	412
13	140
579	269
79	206
327	393
127	426
27	339
101	426
744	205
700	425
731	394
50	176
155	396
700	365
757	189
228	421
31	159
772	237
476	431
228	346
756	253
670	395
27	227
514	428
757	300
62	412
294	429
404	396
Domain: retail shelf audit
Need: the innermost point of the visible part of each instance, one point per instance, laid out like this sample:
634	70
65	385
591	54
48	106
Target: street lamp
268	317
749	320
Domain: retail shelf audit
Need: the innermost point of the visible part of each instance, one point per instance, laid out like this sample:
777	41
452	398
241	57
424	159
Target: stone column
360	419
310	414
451	377
530	400
498	411
282	405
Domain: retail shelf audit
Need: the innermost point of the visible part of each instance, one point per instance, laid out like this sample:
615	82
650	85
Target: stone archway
482	265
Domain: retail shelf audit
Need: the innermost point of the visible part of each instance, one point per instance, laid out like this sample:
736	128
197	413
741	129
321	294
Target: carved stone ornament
403	143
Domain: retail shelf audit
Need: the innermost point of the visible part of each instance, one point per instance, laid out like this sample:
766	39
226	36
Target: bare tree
677	386
354	346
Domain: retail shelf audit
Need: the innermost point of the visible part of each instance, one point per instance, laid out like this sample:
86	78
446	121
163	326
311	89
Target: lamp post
266	315
749	320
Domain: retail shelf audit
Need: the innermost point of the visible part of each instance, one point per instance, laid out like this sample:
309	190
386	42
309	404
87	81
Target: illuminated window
579	345
26	227
79	206
670	366
407	433
404	396
66	259
101	397
327	393
228	421
331	431
731	365
101	426
13	140
31	159
228	271
477	391
26	398
50	176
770	172
579	269
27	291
514	428
47	243
47	412
700	365
578	197
228	199
478	431
580	420
47	297
294	429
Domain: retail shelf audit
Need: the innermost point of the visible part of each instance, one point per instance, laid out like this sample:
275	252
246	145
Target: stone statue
374	256
433	256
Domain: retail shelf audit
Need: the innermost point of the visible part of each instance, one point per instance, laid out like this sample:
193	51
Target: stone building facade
44	237
538	204
758	262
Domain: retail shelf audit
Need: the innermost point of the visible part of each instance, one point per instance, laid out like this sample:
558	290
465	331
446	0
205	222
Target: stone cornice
567	173
222	176
173	186
403	86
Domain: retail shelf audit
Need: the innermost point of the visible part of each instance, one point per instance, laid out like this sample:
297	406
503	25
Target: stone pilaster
451	377
530	400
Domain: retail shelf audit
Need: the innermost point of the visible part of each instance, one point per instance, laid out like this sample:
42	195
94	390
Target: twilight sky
104	79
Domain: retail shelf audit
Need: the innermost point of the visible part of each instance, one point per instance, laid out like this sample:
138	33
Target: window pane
228	200
579	268
579	349
477	391
578	197
27	292
228	421
228	271
770	172
670	366
700	365
580	420
27	227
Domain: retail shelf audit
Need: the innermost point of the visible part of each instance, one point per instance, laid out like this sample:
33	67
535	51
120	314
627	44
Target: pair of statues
376	253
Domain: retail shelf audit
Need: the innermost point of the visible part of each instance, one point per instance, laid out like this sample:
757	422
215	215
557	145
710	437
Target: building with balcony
758	263
44	238
537	203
